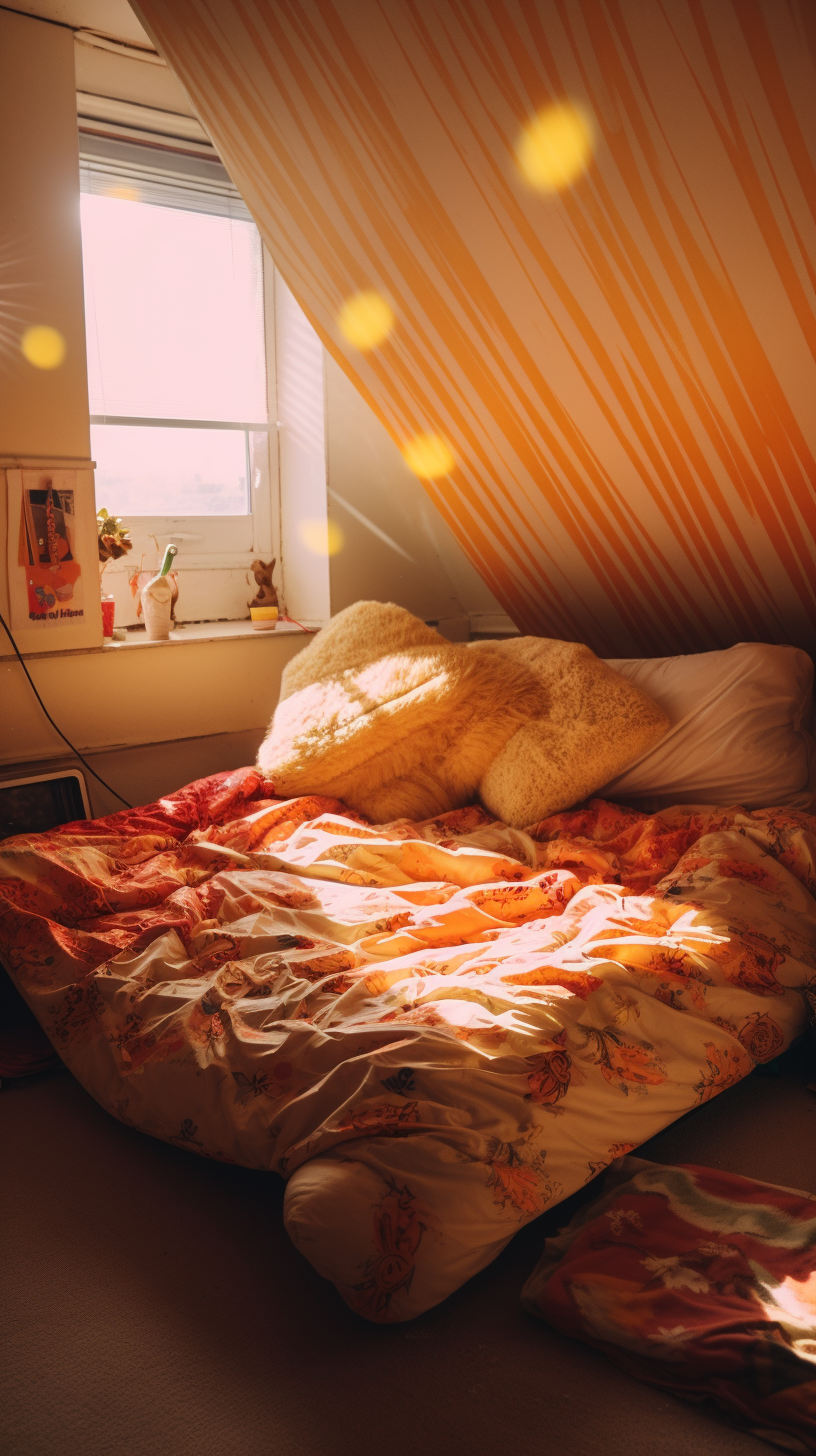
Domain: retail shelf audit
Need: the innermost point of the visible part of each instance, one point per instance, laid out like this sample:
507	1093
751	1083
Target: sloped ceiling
113	18
624	368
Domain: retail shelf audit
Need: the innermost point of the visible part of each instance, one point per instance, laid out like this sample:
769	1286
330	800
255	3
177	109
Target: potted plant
113	539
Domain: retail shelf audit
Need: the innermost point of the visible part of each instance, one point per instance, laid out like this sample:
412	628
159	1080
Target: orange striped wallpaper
623	369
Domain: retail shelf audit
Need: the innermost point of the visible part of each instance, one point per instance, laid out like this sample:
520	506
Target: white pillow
739	733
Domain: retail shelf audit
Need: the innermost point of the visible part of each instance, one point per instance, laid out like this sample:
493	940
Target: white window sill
187	633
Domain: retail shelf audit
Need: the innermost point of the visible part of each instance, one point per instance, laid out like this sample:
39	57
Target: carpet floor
152	1305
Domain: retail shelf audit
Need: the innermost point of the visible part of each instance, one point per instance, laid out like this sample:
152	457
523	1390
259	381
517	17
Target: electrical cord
295	623
75	751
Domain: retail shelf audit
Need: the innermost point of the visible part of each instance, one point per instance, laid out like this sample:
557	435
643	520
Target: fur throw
384	713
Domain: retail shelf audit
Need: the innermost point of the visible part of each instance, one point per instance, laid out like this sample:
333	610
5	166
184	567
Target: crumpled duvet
434	1031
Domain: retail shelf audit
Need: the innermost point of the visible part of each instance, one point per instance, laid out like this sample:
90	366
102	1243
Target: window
174	311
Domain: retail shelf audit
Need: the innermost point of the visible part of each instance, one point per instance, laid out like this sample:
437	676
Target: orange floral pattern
386	1119
752	874
517	1179
397	1231
626	1063
724	1067
551	1073
750	959
762	1038
580	983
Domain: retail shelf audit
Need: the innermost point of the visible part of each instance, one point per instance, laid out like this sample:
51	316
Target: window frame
224	545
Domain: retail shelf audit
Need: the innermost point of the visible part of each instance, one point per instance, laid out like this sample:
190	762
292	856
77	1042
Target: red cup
108	608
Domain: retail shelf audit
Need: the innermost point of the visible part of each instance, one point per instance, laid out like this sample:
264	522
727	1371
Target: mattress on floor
434	1031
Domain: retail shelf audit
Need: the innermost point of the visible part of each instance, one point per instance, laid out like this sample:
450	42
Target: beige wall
43	412
143	693
396	545
171	712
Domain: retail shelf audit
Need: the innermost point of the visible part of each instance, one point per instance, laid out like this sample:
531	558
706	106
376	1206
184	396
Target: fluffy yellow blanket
382	712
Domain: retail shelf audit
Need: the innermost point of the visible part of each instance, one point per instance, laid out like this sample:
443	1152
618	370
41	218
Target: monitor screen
30	806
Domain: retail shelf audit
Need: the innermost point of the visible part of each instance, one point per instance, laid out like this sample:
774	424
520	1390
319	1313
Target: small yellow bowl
264	619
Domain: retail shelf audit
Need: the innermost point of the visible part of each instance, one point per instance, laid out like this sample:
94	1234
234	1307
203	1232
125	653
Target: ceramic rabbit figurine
266	595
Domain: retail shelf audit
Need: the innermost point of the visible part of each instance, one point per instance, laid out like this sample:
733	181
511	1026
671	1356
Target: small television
43	801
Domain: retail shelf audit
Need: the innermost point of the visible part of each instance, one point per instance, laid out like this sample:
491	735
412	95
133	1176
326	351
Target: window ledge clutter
264	607
158	600
113	542
156	594
195	633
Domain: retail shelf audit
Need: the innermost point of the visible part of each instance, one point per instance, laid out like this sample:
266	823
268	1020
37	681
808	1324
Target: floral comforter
434	1031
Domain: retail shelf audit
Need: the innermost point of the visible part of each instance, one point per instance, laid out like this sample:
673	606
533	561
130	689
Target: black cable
75	751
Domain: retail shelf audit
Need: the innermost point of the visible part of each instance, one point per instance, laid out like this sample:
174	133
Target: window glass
156	471
175	332
173	312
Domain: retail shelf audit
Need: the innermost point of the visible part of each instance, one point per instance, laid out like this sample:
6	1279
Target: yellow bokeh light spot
429	456
366	320
555	147
324	538
123	193
43	346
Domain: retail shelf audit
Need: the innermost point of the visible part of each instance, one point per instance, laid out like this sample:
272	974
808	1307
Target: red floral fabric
699	1281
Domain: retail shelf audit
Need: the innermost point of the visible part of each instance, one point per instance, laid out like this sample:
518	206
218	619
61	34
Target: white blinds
162	178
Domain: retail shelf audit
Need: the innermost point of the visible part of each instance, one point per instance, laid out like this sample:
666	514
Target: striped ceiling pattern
624	369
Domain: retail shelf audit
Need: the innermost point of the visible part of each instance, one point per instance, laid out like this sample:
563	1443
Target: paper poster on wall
52	555
49	550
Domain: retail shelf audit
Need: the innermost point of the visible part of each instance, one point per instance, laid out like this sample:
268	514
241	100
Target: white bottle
157	600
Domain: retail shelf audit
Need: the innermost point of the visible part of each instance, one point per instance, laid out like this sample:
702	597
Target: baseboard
144	772
492	624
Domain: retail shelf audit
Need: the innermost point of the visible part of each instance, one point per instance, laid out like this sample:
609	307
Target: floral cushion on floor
698	1281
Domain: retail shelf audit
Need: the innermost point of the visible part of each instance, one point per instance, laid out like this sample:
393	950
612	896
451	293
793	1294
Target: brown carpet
153	1306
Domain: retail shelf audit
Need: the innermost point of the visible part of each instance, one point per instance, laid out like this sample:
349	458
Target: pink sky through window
173	312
